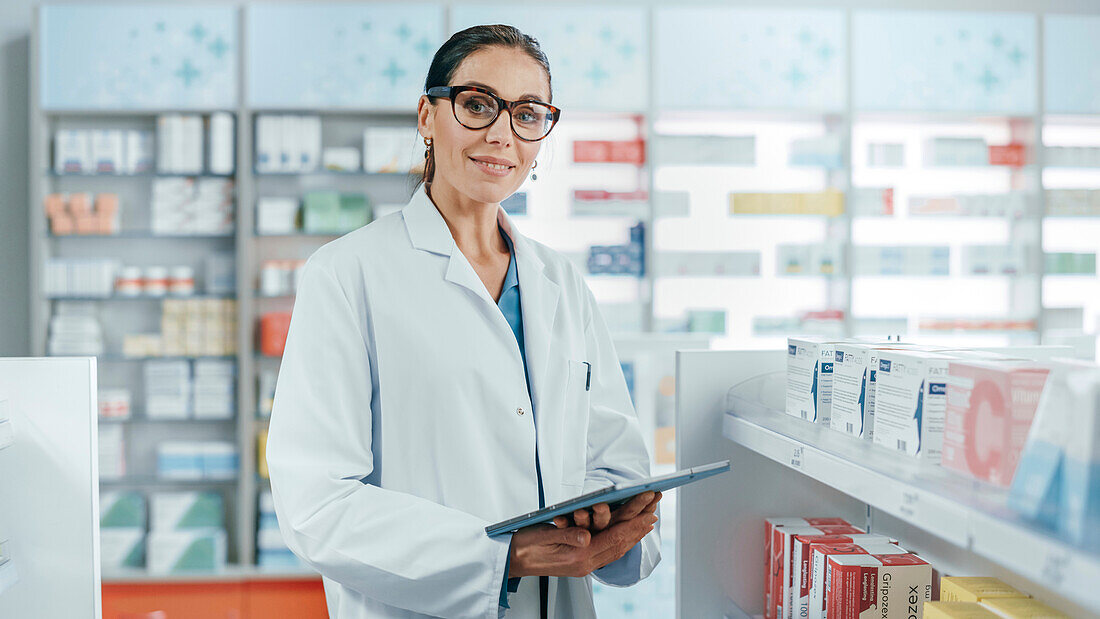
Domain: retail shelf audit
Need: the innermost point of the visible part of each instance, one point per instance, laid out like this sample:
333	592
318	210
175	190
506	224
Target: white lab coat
396	434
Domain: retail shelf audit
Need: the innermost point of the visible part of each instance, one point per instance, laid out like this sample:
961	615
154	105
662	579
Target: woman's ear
424	116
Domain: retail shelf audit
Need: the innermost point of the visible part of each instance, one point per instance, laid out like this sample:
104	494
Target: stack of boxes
122	524
626	259
102	151
330	212
197	460
173	391
829	203
272	552
80	277
75	330
76	213
186	533
183	206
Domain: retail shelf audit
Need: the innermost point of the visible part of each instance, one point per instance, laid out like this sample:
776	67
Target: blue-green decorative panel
371	56
733	58
599	55
138	57
1072	63
944	61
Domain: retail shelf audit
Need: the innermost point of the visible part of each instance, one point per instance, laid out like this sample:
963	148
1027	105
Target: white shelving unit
730	405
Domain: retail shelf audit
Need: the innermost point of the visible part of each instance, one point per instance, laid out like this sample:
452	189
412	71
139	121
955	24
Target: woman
420	398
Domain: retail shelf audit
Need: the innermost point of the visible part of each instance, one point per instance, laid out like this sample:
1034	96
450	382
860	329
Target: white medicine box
810	377
910	399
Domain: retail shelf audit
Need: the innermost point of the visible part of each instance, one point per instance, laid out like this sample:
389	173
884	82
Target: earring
534	176
427	147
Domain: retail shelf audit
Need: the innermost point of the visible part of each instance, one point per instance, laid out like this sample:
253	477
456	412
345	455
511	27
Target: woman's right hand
545	550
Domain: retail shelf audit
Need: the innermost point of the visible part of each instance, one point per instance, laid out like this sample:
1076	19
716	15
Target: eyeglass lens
531	121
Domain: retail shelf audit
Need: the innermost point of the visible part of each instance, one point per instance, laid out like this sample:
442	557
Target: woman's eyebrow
525	95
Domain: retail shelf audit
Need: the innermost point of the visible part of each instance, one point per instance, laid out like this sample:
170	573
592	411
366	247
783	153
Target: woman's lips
492	170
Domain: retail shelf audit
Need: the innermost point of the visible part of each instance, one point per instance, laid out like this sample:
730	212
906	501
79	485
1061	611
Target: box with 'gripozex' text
877	586
800	570
810	378
817	607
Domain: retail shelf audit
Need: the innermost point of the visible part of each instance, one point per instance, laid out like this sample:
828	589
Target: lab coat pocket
575	426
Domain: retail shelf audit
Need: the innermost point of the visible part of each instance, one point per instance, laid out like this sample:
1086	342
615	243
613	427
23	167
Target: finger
613	544
601	516
581	519
652	507
571	536
561	522
634	507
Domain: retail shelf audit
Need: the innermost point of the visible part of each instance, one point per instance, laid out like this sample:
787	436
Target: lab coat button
519	411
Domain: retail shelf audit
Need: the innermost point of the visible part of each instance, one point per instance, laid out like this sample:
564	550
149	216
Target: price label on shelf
796	458
1053	571
909	505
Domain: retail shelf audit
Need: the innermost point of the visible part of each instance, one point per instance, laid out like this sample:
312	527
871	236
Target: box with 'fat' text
810	378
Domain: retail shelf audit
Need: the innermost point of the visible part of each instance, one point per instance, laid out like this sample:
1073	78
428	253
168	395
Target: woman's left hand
600	517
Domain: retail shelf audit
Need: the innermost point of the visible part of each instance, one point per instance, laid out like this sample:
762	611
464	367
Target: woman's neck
473	224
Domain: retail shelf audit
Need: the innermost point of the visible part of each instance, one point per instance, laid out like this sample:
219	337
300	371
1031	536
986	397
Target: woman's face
461	153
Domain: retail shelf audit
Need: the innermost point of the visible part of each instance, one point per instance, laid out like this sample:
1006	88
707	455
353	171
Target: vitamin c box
810	378
877	586
990	405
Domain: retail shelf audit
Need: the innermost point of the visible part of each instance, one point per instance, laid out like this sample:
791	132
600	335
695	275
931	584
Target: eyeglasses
477	108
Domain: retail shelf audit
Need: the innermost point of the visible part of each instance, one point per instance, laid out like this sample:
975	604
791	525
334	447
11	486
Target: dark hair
463	43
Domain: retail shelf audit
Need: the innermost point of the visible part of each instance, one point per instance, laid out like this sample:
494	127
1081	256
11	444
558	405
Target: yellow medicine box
1022	608
955	610
975	589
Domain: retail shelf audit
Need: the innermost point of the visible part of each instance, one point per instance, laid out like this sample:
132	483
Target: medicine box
910	397
854	379
783	549
990	405
892	586
1022	608
121	548
122	510
772	559
171	511
956	610
975	589
810	377
817	604
199	550
799	569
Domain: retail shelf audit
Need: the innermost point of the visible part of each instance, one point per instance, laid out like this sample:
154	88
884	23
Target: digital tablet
614	495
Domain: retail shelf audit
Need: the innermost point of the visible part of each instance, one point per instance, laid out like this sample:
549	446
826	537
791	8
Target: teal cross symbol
795	76
403	31
1016	55
626	49
424	46
606	33
218	47
988	79
393	72
197	32
187	72
596	74
996	40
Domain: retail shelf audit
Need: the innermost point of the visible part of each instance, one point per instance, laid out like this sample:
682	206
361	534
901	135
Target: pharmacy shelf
362	173
232	573
144	481
141	419
113	298
83	175
969	514
117	358
144	236
7	434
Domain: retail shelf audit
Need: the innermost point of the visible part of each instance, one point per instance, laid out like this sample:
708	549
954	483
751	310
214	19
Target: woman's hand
602	517
543	550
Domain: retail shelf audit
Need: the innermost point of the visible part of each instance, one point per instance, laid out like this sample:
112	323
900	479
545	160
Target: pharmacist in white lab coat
443	372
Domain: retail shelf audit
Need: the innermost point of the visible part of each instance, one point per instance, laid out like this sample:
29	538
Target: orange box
274	327
80	204
62	224
1013	154
87	224
54	204
106	203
